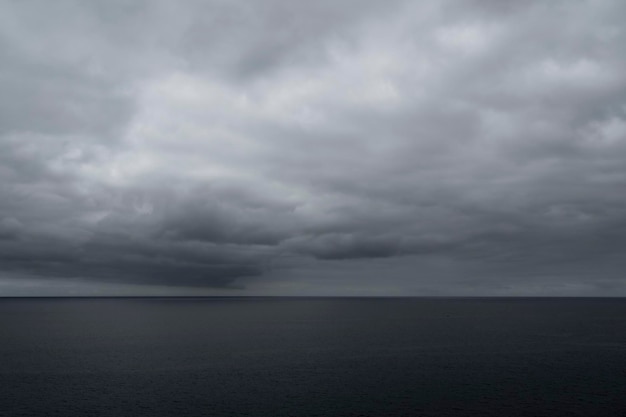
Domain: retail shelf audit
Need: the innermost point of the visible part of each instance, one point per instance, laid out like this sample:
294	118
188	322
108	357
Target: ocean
312	357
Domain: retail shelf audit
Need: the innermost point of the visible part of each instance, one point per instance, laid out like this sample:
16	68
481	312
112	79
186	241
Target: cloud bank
456	147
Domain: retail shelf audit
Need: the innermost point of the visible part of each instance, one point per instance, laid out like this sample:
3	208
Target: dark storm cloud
454	147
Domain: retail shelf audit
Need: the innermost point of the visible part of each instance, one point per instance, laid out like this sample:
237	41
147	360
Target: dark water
312	357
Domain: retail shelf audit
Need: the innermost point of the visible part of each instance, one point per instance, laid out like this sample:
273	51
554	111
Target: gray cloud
457	147
10	228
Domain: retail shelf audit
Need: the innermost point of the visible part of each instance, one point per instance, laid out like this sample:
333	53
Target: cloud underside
227	145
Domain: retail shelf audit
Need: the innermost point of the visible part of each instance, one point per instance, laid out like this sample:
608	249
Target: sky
214	147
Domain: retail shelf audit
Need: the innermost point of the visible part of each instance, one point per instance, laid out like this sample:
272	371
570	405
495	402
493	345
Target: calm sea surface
312	357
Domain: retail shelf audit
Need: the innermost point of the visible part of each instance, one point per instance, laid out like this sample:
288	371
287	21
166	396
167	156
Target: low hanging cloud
479	144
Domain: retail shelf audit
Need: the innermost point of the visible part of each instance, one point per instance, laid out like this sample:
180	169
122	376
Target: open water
312	357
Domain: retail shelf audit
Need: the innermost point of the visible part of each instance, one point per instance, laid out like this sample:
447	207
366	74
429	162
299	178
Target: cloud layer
456	147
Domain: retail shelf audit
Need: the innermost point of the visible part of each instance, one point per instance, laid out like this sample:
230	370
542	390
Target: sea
266	357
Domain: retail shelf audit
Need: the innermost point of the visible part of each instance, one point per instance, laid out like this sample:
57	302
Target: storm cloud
452	147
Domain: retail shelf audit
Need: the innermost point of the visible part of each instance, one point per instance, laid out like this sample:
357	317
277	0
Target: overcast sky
335	147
